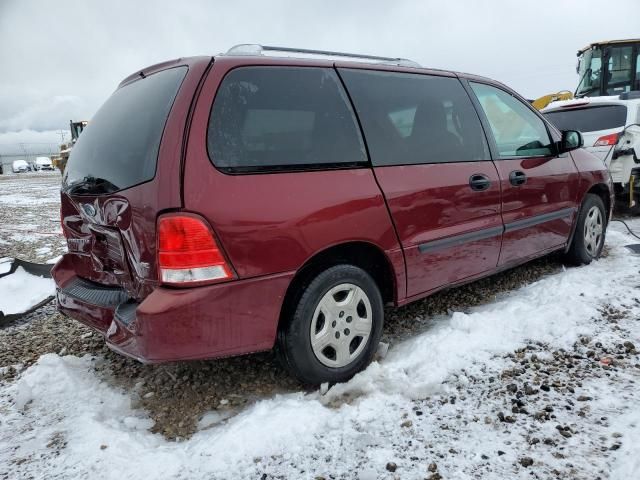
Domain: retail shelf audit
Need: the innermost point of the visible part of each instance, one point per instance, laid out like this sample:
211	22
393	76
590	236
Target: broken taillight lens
188	252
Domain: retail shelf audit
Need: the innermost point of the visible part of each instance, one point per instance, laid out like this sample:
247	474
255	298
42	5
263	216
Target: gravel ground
178	394
539	387
546	411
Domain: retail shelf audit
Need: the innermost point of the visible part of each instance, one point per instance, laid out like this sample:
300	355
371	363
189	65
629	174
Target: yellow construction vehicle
60	162
542	102
605	68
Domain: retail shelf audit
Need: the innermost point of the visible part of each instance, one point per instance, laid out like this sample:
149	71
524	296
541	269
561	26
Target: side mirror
571	140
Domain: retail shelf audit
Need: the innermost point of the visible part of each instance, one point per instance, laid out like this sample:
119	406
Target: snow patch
54	259
627	461
5	264
20	291
212	418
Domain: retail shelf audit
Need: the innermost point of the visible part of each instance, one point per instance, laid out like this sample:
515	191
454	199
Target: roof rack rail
256	49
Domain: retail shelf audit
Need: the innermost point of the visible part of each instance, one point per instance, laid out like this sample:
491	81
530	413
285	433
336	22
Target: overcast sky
60	60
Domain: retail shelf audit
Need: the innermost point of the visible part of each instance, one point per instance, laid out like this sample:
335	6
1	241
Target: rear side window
411	118
120	144
518	131
271	118
589	119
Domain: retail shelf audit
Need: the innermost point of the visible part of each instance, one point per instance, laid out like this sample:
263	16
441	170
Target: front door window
517	130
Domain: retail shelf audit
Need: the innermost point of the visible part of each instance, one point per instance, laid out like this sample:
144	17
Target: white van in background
610	127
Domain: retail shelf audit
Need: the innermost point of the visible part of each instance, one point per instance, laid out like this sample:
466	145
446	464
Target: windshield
589	69
589	119
119	147
606	70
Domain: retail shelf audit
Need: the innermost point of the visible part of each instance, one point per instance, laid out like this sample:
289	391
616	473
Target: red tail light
607	140
188	253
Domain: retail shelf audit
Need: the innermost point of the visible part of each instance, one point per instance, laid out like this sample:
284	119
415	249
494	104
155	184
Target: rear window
411	119
272	118
120	144
589	119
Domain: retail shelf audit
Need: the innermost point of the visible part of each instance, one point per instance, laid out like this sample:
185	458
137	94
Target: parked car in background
221	206
43	163
610	127
20	166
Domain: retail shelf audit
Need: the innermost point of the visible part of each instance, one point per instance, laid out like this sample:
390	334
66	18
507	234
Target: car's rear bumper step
126	313
95	294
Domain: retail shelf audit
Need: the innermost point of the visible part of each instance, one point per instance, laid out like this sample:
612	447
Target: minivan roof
331	57
344	60
325	60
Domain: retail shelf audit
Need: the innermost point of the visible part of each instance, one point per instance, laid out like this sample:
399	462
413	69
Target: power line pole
62	134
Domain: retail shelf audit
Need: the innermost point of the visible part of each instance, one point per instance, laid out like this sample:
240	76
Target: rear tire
591	228
334	328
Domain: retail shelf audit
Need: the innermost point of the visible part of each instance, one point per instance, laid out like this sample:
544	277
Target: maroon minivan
227	205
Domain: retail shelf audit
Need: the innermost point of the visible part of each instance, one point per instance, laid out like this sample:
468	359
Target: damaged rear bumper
177	324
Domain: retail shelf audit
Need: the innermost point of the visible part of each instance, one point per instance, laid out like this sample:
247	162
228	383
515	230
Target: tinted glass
120	144
283	117
410	118
589	119
517	130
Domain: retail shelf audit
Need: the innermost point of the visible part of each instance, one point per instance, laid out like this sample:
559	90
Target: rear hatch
598	123
112	188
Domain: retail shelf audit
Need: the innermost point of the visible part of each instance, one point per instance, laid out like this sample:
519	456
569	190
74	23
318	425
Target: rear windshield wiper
91	185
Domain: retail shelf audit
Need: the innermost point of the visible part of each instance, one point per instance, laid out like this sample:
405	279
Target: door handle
479	182
517	178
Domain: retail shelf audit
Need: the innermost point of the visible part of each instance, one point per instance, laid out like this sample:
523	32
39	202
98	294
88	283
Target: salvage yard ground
530	374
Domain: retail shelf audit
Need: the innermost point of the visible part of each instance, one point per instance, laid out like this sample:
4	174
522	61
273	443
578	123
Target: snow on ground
5	264
433	398
21	291
30	216
628	466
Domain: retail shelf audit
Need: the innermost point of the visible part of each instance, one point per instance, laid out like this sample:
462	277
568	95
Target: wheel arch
365	255
601	190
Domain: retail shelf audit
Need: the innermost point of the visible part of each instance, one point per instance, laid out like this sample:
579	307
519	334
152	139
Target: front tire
591	228
335	327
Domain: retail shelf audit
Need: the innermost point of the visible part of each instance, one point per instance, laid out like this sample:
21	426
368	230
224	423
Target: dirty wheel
335	327
588	239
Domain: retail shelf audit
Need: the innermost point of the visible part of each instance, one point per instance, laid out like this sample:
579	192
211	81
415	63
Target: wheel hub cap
593	229
341	325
